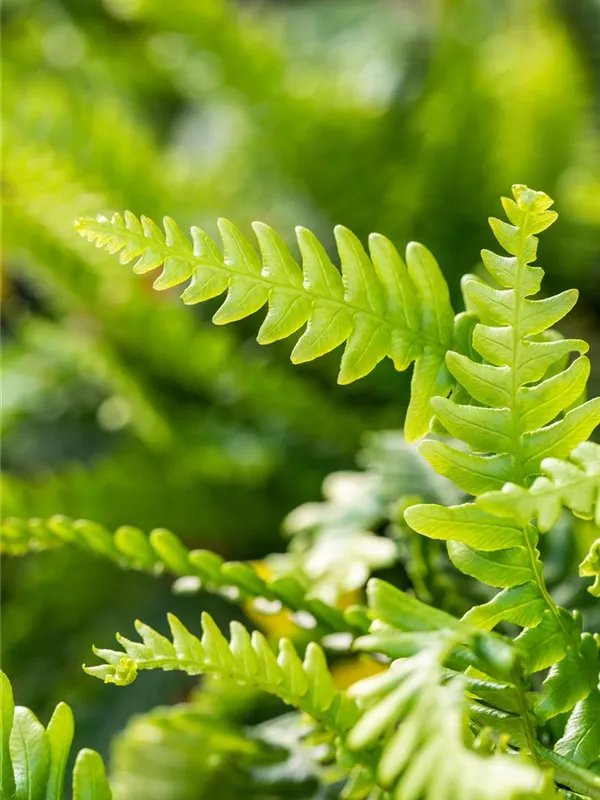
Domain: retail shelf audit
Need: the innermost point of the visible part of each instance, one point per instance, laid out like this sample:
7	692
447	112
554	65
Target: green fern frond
405	628
423	719
162	550
513	429
377	306
514	425
306	684
590	568
34	758
572	483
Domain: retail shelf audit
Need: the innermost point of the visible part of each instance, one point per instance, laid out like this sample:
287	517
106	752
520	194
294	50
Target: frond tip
377	306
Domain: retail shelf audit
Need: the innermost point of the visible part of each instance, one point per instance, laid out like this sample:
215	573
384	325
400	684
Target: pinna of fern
516	427
377	305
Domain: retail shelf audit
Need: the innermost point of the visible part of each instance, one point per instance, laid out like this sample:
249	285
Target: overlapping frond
491	668
162	550
572	483
377	305
34	759
520	389
422	716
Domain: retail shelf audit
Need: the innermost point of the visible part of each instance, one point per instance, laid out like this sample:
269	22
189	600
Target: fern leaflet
590	568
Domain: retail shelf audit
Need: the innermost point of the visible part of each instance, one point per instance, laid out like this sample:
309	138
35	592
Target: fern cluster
502	702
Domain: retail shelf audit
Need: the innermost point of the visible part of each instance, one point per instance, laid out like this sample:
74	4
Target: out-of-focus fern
270	758
34	758
333	542
377	306
162	550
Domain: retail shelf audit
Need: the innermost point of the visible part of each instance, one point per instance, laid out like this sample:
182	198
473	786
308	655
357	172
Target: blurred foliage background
121	405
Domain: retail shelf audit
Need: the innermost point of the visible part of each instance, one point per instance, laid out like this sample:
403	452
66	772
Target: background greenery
123	406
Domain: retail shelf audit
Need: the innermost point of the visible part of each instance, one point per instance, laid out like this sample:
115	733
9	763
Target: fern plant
502	702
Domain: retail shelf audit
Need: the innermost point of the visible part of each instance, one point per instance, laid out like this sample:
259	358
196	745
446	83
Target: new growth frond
525	414
306	684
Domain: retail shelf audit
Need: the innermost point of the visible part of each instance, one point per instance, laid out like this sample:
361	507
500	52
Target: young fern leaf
377	305
304	684
572	483
161	551
511	431
34	758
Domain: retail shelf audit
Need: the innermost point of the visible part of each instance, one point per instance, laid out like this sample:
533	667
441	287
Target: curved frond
34	758
572	483
377	306
162	551
306	684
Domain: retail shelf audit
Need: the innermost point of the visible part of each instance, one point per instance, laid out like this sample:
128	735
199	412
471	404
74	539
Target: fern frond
581	740
377	306
161	551
521	390
423	720
572	483
306	684
519	394
34	758
590	568
406	628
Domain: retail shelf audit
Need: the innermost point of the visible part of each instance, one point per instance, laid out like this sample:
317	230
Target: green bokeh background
120	404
